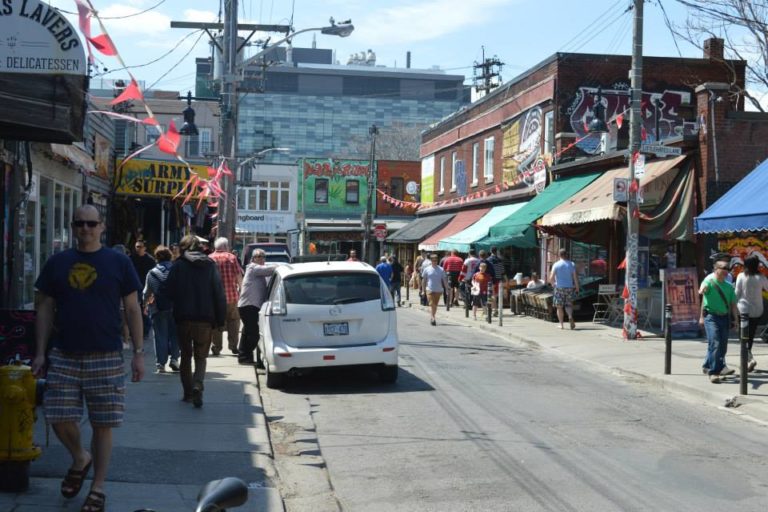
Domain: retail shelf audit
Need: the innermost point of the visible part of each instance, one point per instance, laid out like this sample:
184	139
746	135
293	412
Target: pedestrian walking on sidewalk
397	278
452	265
750	286
160	309
434	282
564	280
195	289
718	315
480	288
80	292
231	278
143	263
252	295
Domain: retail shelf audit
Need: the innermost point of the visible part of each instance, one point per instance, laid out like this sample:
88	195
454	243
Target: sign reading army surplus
36	38
155	178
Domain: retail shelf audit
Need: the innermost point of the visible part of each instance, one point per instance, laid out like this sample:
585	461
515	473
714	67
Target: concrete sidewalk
603	346
166	449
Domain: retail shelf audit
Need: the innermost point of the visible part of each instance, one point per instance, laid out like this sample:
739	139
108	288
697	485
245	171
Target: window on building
321	190
199	145
441	190
153	133
397	188
454	156
266	196
488	166
353	192
475	163
549	132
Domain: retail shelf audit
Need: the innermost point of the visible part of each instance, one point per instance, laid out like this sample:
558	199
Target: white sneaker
727	371
714	379
751	365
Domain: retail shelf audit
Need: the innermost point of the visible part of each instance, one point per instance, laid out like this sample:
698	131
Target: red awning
461	221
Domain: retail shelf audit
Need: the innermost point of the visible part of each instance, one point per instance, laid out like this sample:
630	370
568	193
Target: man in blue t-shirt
566	284
80	291
385	270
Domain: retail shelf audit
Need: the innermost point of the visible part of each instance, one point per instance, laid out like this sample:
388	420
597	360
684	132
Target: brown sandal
73	481
94	502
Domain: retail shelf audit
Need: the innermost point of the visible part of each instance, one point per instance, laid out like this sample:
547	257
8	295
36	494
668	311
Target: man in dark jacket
195	289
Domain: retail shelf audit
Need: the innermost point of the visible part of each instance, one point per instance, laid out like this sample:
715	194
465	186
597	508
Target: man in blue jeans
718	315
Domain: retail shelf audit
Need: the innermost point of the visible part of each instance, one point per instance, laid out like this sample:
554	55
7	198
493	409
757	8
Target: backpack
162	300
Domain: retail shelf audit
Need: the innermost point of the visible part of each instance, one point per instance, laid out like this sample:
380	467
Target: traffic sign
380	232
620	186
660	150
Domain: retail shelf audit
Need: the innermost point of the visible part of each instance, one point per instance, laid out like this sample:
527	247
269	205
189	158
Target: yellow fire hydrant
18	397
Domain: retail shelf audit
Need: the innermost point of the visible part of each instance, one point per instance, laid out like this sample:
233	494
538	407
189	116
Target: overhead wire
126	16
175	47
202	33
591	25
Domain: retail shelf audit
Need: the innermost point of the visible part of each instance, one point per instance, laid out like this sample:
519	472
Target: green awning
517	229
462	240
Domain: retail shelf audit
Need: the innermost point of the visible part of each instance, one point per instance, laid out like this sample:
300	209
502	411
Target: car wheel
388	374
274	380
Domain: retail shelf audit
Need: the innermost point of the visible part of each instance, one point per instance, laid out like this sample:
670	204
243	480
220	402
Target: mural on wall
333	195
616	102
521	149
743	246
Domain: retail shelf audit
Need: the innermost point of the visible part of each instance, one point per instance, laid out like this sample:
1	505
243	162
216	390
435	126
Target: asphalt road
476	423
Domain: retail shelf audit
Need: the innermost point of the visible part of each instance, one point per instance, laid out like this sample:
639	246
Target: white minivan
334	313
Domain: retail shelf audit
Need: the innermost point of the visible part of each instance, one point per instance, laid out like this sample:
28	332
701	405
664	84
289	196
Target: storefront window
58	216
46	219
591	262
30	257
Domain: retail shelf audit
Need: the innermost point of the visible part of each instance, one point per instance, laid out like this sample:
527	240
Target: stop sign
380	232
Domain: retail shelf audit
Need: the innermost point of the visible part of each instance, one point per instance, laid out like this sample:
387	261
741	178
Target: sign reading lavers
36	38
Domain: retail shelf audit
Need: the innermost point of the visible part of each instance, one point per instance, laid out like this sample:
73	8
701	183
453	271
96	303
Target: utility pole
227	211
635	120
490	68
229	104
368	218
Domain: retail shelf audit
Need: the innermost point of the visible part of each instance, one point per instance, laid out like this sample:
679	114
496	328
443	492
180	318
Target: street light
226	225
368	220
189	127
257	156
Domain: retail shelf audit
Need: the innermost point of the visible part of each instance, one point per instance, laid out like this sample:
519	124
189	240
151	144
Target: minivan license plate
336	329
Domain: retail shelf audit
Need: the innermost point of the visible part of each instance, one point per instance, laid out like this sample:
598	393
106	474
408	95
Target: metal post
668	339
467	296
635	121
229	104
368	221
743	338
500	305
489	302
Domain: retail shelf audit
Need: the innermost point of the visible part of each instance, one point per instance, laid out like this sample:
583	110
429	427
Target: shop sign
620	186
155	178
37	38
380	232
265	222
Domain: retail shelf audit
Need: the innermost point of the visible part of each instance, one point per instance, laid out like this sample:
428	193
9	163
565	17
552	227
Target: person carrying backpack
160	309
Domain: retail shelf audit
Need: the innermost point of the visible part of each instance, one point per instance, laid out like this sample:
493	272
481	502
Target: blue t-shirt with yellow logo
88	288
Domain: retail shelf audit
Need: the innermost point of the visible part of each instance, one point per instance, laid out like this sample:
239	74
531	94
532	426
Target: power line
591	25
202	33
176	46
158	4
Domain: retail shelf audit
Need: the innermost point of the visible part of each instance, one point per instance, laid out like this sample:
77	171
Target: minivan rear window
328	288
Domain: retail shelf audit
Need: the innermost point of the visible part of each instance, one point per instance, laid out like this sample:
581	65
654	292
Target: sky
451	34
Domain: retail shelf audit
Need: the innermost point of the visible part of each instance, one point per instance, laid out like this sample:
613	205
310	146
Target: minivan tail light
278	303
387	302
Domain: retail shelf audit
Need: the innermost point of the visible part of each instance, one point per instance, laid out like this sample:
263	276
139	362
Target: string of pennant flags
205	189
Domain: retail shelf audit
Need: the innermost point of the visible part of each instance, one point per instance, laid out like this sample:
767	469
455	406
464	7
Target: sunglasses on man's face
83	223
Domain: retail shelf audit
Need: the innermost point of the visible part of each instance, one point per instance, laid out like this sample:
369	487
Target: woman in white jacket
749	288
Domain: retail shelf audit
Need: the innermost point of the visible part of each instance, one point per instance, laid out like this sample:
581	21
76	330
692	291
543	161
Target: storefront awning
462	240
333	225
460	222
741	208
595	201
419	229
517	230
77	156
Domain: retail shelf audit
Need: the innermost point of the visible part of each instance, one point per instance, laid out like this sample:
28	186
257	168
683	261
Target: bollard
467	296
488	302
407	290
743	337
500	304
668	339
